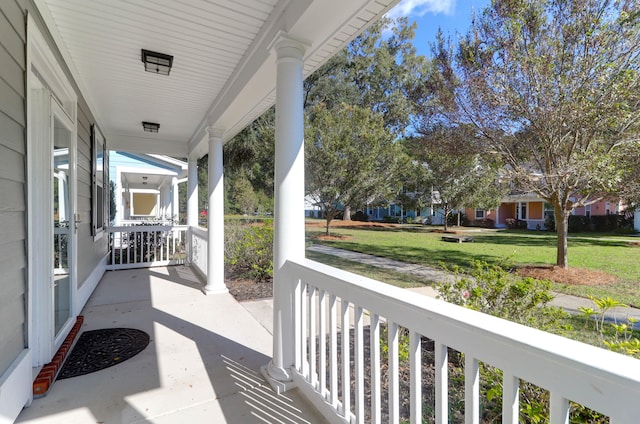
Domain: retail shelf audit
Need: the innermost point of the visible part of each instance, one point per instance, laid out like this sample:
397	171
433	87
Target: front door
62	220
52	256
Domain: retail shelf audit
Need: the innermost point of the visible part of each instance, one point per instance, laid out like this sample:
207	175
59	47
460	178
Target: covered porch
202	364
234	60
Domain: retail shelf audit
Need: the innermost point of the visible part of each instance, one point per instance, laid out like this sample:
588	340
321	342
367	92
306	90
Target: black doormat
99	349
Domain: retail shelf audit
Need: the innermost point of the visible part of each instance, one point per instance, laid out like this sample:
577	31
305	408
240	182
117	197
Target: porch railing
333	307
198	244
142	246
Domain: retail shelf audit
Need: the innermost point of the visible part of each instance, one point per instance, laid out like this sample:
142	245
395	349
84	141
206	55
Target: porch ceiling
223	73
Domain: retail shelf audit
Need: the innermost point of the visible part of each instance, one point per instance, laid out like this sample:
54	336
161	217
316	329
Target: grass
612	254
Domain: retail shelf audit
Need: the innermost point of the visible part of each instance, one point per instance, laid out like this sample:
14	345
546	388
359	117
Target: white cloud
421	7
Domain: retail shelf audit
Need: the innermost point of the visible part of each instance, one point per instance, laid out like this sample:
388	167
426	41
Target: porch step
48	373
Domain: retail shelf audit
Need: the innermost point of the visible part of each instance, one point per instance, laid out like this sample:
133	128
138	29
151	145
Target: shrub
550	223
578	223
360	216
452	219
390	219
484	223
493	290
249	249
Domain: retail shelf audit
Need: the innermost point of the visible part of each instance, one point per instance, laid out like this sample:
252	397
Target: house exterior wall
91	252
15	352
506	210
13	260
535	210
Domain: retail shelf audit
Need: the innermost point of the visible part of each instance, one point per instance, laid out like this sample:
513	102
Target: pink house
534	210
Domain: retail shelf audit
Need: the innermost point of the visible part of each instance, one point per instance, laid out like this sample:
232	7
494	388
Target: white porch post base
216	290
215	249
279	379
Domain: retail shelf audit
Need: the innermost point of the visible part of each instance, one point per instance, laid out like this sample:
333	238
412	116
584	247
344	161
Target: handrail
141	246
198	244
602	380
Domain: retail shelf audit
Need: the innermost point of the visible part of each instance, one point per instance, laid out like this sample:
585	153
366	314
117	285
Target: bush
390	219
550	223
452	219
484	223
360	216
249	249
493	290
515	224
578	223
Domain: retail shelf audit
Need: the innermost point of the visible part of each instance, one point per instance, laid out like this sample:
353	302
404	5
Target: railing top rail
143	228
199	231
605	381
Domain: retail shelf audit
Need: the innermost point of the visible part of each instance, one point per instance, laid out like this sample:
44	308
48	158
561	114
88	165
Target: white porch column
215	249
192	193
192	203
289	201
175	201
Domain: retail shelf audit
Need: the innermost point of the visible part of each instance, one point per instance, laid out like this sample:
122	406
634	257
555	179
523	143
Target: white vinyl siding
12	184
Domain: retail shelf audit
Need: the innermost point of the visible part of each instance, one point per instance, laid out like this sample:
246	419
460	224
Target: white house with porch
146	187
80	78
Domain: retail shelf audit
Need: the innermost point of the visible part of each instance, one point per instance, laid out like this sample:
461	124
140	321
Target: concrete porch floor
201	366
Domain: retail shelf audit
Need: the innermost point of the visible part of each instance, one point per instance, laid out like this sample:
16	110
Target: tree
243	197
350	157
379	70
459	176
552	88
248	162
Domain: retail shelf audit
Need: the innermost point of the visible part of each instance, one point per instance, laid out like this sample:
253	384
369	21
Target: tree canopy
458	175
551	87
350	157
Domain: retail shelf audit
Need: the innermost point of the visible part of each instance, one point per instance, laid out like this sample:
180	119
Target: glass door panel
62	222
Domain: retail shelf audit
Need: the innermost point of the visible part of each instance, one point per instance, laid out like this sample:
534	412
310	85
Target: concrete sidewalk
565	301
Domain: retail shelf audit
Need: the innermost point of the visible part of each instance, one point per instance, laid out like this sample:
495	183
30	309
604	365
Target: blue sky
450	15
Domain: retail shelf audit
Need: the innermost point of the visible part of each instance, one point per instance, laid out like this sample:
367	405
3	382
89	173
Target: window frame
99	145
483	213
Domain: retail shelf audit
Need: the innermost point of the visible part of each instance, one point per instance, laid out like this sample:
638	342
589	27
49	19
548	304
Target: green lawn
610	253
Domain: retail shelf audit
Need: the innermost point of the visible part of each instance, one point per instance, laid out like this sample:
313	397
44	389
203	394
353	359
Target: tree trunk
446	218
328	223
562	228
347	213
458	218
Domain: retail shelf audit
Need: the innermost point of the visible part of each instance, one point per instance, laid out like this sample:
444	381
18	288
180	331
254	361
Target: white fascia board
149	171
144	190
137	144
169	160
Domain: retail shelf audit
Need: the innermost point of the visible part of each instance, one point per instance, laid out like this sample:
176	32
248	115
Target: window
480	213
607	208
100	183
587	211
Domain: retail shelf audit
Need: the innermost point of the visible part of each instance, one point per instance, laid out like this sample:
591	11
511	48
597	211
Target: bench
458	239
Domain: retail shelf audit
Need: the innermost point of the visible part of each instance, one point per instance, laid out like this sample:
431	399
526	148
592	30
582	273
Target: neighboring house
148	186
311	208
534	211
